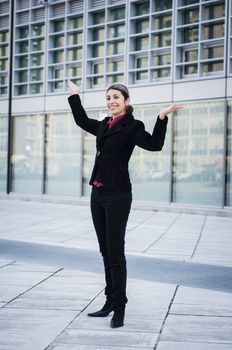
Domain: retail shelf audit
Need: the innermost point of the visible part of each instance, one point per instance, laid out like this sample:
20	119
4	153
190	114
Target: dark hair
125	92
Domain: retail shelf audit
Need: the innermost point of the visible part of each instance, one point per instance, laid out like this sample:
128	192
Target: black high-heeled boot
105	310
118	317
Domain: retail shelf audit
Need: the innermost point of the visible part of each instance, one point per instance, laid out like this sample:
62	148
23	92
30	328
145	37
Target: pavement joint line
78	236
141	222
8	264
165	318
162	234
18	296
199	238
79	313
198	315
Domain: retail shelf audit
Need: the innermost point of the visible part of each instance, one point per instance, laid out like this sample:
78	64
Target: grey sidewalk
51	276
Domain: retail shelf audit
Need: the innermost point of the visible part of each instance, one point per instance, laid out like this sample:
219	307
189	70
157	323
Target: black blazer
115	145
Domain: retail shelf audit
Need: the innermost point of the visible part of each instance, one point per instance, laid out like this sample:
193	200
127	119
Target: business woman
111	196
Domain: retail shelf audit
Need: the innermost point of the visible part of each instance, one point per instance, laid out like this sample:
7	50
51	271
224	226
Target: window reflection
63	155
198	154
27	158
90	151
229	157
3	152
149	171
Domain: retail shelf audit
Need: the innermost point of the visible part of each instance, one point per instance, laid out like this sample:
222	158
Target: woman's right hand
74	88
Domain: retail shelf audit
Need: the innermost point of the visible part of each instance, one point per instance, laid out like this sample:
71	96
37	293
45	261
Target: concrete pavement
51	276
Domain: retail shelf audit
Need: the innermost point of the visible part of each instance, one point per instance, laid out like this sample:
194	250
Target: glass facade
229	157
142	44
198	153
27	157
3	152
53	36
63	155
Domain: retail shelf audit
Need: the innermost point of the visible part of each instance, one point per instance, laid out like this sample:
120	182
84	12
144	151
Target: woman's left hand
170	109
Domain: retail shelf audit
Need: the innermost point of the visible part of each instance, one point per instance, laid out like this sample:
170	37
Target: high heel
118	317
105	310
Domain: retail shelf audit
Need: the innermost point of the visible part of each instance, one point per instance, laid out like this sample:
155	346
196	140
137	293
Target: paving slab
169	345
36	330
116	337
198	329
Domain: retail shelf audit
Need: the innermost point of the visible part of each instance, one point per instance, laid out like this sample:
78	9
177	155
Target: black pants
110	211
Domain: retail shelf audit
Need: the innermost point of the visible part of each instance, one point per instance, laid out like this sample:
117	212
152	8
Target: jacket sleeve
80	117
152	142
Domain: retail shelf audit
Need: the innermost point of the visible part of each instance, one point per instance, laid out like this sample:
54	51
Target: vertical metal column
10	84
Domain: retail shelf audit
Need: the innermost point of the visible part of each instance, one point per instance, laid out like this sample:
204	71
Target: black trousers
110	211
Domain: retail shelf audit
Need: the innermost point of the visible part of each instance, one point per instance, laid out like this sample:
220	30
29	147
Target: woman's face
116	102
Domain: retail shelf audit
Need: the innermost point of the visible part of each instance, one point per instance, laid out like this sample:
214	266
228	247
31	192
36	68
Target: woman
111	196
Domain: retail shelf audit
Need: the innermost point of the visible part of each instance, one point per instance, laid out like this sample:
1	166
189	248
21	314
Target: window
58	73
214	11
4	37
116	66
27	159
58	41
117	31
58	56
142	26
98	68
190	16
117	14
163	22
38	29
58	26
22	76
37	74
142	62
161	59
37	59
22	47
142	8
98	50
98	81
99	18
75	71
161	73
116	48
162	39
213	67
141	43
23	32
22	61
163	5
98	34
190	55
198	157
213	52
74	54
190	69
76	23
190	35
142	75
214	30
37	45
75	38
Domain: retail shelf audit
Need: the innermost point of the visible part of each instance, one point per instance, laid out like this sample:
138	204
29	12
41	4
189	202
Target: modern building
164	51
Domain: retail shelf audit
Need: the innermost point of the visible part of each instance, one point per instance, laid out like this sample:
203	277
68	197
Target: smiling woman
111	196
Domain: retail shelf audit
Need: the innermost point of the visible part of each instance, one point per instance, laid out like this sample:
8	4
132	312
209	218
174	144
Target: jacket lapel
105	131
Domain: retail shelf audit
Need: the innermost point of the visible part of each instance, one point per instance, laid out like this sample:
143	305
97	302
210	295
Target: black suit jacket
115	145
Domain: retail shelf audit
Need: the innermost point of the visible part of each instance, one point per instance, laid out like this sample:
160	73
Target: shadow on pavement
196	275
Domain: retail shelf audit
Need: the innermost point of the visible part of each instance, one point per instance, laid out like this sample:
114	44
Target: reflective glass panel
149	171
3	152
90	151
63	155
27	158
229	158
198	153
